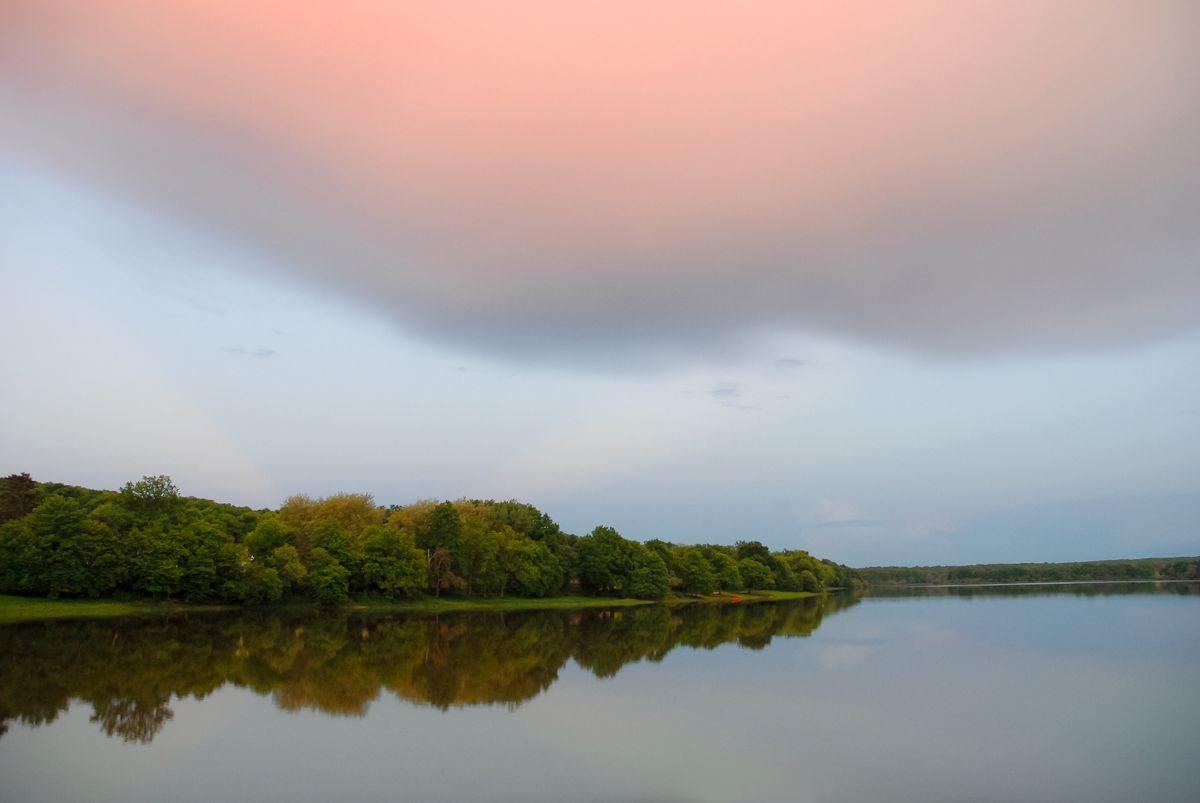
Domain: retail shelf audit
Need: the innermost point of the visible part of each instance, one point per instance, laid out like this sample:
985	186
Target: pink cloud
972	175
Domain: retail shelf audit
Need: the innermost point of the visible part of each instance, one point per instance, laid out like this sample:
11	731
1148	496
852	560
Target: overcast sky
893	282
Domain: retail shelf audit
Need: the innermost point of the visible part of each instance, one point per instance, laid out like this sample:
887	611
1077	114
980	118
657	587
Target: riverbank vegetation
146	541
1078	572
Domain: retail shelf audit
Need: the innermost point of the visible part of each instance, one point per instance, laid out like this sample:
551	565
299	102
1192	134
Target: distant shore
1131	570
1035	583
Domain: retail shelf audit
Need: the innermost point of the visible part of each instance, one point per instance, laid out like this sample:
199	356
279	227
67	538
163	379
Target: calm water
1040	695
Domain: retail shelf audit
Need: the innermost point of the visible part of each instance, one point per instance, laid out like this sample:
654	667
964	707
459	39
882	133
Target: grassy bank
19	609
446	604
778	596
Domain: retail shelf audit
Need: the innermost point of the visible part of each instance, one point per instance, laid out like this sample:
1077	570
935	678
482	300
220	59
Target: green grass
439	604
21	609
743	597
776	596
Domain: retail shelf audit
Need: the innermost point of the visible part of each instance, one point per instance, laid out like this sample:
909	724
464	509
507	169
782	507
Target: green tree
725	566
647	577
105	554
807	581
259	584
151	497
753	549
59	568
670	556
157	561
269	534
479	553
329	580
200	548
541	575
17	554
392	564
785	579
696	573
18	497
331	537
285	560
755	574
604	559
526	565
781	575
444	529
113	513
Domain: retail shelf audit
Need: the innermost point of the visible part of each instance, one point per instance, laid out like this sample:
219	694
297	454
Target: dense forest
130	670
1085	571
146	540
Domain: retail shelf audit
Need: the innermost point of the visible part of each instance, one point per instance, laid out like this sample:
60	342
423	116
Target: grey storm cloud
1014	178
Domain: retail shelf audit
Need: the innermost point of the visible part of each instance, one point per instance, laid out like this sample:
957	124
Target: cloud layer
554	180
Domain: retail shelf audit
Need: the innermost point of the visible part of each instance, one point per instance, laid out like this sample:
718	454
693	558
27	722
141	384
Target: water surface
1085	694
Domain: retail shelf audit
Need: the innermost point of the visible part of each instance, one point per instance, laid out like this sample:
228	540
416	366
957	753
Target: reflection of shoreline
129	670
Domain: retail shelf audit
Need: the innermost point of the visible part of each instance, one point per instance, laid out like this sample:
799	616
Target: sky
898	283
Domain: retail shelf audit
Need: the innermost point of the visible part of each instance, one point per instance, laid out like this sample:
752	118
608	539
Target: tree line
1081	590
146	540
1083	571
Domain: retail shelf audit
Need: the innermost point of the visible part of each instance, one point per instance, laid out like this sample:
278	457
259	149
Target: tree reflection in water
130	669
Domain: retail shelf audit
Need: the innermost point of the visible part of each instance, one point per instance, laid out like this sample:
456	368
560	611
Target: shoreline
15	609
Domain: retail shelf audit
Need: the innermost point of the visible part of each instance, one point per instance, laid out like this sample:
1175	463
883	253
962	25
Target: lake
1020	694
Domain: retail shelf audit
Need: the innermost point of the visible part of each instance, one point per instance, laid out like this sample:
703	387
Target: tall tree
268	535
353	513
58	569
647	575
151	496
604	559
440	572
696	573
18	497
725	566
443	530
285	560
333	539
392	564
329	580
755	574
157	561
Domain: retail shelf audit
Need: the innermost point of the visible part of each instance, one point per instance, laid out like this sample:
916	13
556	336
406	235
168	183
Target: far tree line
1082	571
146	540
